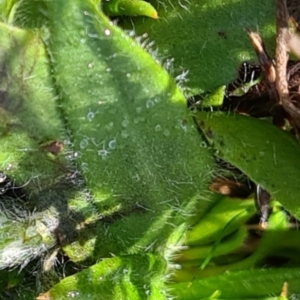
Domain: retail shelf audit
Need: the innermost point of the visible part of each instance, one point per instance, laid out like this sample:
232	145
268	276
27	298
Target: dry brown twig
281	54
285	42
276	75
266	63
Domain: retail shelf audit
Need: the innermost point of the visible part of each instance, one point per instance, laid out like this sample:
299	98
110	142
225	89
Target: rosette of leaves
97	134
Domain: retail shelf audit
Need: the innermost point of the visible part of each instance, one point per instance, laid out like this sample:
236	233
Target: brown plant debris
278	93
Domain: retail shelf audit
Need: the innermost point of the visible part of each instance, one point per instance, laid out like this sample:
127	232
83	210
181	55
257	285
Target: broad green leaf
128	277
207	38
266	154
138	149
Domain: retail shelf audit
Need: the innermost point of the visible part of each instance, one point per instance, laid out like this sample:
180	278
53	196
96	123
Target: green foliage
266	154
129	126
249	284
115	172
206	38
205	231
28	99
127	277
129	8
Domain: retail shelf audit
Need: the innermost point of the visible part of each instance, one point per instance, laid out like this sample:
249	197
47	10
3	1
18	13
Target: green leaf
29	121
209	228
224	247
128	277
129	8
207	38
138	149
241	285
28	111
266	154
23	13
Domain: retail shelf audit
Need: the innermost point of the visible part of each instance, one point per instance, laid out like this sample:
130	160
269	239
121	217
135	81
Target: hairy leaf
138	149
206	38
127	277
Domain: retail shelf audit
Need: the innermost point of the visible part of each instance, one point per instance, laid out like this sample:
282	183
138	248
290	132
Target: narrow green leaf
201	252
209	228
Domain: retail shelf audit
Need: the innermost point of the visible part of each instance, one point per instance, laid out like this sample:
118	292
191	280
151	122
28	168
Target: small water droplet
166	132
101	278
107	32
90	65
82	41
158	128
125	123
8	167
112	144
156	100
149	103
84	167
128	75
72	294
108	70
139	110
90	116
104	153
183	126
203	145
124	134
83	144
